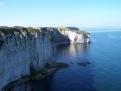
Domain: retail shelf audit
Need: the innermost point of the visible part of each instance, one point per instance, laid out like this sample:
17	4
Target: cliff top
23	31
4	30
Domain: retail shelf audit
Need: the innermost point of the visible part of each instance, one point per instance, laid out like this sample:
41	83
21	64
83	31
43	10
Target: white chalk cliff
24	48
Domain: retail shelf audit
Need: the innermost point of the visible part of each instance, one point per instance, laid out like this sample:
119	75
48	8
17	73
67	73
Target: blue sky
80	13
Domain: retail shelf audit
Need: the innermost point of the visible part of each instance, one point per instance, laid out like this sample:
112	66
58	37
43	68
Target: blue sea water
103	74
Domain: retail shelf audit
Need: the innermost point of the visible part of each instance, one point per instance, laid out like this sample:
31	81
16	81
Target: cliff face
68	35
25	49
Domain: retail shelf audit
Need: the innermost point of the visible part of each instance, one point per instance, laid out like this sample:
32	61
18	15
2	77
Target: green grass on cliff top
18	30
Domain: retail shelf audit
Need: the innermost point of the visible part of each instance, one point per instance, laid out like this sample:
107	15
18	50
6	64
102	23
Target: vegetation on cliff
19	30
23	31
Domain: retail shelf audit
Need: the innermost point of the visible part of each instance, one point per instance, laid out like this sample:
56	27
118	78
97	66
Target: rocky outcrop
68	35
24	50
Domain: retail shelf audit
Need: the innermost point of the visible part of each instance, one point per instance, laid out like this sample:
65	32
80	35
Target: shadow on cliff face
74	78
56	36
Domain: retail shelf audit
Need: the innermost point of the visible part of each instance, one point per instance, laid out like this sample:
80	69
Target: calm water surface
103	74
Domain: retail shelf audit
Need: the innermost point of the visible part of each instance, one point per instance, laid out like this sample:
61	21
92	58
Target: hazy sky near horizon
80	13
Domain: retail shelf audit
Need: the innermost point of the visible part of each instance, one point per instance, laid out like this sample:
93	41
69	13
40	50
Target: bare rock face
68	35
23	50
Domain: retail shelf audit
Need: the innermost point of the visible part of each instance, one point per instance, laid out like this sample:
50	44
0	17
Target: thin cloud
1	3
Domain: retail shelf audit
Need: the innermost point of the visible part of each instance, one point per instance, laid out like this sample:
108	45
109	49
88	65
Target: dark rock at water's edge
71	62
50	68
84	64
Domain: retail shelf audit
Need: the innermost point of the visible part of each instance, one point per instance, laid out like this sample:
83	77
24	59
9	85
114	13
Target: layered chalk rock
23	50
